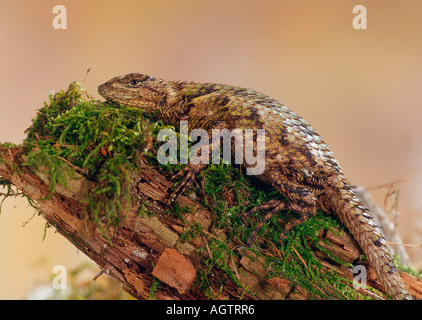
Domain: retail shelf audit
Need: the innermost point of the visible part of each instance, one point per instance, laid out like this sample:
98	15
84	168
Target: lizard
298	163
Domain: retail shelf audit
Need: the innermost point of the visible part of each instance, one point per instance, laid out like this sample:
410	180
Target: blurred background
360	89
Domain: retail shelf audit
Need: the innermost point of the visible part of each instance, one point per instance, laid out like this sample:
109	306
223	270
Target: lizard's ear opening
162	101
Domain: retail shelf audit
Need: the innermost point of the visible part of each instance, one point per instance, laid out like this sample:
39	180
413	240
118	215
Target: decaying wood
146	248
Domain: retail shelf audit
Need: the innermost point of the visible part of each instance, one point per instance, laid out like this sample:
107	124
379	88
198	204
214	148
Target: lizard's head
135	90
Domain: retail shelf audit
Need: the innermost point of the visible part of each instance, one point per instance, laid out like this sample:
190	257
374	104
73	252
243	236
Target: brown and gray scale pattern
297	161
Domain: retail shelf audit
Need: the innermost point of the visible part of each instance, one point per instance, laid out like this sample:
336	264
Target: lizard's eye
134	82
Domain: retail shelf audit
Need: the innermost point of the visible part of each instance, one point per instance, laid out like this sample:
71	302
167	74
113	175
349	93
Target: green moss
407	268
191	232
74	133
153	288
7	145
219	261
7	189
230	193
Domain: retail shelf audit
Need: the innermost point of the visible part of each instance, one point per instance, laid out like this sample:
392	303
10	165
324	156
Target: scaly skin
297	161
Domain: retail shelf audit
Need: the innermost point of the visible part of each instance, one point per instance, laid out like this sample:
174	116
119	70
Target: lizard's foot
275	205
306	210
189	173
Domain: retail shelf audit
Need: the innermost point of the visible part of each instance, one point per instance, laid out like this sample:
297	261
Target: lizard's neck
175	107
203	104
181	98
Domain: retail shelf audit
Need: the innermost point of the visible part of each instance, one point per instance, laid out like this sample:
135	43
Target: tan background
360	89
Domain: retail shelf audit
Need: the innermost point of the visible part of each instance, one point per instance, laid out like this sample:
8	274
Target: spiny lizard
297	161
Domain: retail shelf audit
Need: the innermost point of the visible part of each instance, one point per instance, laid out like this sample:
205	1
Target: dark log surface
146	248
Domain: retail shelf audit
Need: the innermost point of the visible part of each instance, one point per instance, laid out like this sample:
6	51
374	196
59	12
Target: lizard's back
291	145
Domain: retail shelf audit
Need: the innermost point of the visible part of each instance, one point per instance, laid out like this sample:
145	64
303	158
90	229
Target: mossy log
151	257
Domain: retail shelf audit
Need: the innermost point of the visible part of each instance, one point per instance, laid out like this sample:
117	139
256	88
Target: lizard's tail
356	218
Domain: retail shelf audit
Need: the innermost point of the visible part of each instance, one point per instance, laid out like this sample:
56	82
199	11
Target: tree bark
146	248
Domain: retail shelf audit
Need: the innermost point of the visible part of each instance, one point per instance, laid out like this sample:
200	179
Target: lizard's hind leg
300	200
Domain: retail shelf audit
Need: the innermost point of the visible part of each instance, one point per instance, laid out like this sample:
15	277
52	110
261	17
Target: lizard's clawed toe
189	173
275	205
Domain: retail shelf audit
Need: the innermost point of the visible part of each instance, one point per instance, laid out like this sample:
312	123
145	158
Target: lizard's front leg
197	165
189	173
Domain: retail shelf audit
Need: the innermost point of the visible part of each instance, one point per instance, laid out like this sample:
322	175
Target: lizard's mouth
107	91
102	90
